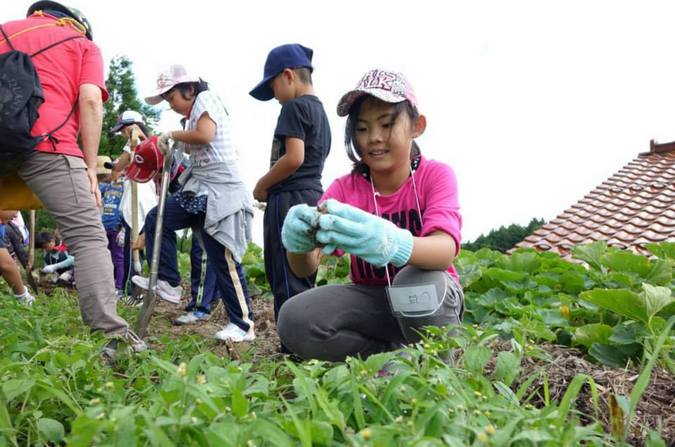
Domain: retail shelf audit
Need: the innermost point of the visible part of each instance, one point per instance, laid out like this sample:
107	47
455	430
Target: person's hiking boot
191	317
235	334
132	341
164	290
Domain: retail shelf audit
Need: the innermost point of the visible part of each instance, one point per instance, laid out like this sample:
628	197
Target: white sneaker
235	334
164	290
191	317
140	281
169	293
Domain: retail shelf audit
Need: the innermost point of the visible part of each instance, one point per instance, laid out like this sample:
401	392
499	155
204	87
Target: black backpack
20	97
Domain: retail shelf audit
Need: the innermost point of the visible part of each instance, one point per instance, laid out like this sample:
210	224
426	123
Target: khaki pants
62	185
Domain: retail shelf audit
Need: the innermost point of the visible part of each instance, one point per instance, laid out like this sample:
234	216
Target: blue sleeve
68	262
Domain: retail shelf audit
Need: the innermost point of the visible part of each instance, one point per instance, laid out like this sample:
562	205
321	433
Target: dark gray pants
336	321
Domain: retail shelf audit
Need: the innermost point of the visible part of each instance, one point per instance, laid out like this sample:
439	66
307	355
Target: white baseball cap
172	76
126	118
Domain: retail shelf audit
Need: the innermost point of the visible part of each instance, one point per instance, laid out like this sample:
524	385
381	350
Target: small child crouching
59	264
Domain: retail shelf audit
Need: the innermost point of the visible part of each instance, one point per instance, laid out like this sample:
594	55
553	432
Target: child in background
111	217
20	225
57	261
301	143
8	268
397	214
14	242
146	192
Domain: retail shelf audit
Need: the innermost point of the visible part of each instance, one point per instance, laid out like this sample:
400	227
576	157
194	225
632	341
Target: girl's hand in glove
164	142
297	233
365	235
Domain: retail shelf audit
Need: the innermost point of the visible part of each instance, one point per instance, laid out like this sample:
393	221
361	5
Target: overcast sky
533	103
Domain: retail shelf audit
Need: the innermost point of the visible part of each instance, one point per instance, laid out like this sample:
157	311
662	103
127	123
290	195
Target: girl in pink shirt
397	215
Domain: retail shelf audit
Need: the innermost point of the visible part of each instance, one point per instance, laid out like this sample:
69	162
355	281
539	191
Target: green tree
504	238
121	85
43	220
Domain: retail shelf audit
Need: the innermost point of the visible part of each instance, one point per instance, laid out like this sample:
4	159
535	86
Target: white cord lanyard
419	211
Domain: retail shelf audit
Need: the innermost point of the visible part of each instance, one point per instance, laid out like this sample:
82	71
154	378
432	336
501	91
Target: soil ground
265	344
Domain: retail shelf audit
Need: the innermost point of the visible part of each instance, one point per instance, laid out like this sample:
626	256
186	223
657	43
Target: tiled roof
634	207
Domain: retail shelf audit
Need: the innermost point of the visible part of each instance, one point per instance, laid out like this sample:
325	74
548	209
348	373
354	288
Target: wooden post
31	252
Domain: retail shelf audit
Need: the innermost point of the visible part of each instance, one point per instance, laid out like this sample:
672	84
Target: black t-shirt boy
303	118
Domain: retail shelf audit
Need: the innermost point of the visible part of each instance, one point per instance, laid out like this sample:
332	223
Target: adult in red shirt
61	174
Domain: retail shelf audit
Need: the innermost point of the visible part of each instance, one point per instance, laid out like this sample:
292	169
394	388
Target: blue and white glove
297	233
49	268
365	235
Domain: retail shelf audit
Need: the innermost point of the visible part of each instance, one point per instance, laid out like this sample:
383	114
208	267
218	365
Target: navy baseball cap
292	55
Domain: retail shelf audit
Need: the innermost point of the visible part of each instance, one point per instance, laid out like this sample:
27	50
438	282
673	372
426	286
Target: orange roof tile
633	207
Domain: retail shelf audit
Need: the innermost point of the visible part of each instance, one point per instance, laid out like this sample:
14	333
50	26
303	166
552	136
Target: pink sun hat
168	79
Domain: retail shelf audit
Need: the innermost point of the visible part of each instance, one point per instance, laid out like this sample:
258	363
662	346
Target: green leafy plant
613	306
447	390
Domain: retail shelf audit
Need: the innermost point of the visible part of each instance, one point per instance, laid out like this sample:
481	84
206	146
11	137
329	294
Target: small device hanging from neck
414	164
